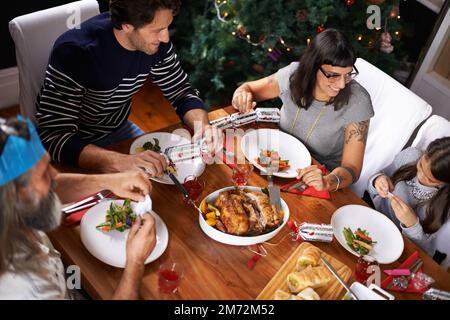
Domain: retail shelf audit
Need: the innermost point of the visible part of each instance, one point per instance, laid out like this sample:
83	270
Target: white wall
9	87
431	86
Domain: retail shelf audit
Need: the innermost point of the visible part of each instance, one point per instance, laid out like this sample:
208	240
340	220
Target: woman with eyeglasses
322	107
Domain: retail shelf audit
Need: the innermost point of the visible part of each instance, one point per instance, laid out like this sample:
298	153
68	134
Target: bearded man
30	268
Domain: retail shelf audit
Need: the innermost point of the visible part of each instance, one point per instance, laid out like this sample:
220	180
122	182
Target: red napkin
310	191
405	265
76	216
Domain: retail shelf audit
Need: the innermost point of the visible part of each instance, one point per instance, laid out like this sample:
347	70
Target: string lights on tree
230	41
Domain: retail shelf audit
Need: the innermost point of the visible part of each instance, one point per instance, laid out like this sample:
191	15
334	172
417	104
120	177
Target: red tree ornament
349	3
320	28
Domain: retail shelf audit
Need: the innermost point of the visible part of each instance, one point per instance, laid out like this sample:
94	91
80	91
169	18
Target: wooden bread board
332	291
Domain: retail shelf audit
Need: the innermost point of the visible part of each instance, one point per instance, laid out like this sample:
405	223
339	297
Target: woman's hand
243	101
312	176
403	211
383	185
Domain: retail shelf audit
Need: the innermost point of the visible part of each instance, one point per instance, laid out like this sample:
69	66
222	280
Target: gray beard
45	215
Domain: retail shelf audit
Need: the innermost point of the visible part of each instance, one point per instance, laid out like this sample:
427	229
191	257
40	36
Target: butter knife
338	277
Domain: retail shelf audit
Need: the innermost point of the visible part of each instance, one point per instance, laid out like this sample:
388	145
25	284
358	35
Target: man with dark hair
92	74
30	268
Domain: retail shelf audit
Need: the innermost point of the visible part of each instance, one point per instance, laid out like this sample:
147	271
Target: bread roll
314	277
308	294
283	295
309	257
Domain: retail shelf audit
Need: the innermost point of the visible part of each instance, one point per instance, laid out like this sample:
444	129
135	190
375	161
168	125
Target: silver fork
85	203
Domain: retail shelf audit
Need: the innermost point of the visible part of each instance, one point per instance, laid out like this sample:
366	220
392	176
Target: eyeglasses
332	78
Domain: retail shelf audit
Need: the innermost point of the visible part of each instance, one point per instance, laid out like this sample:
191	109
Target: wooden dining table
213	270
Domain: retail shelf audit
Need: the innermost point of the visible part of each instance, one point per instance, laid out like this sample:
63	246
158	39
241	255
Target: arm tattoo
358	131
270	79
352	173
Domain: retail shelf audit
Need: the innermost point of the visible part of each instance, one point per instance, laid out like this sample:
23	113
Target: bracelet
338	181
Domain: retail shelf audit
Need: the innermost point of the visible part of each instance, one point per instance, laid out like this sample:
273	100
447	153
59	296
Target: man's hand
141	240
213	138
153	163
383	185
404	213
312	176
243	101
130	184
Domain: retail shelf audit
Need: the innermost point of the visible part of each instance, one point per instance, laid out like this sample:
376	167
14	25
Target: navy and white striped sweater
89	82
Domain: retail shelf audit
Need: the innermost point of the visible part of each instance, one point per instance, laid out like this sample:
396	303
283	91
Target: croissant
309	257
313	277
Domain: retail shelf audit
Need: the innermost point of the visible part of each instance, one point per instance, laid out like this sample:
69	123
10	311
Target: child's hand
384	185
404	213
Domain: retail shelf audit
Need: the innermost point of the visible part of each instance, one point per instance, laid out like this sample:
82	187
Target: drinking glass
169	276
194	186
241	173
361	274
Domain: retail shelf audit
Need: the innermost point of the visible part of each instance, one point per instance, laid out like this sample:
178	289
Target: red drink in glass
241	173
361	274
170	275
194	187
168	280
239	178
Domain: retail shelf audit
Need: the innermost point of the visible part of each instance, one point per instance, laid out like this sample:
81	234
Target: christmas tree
223	43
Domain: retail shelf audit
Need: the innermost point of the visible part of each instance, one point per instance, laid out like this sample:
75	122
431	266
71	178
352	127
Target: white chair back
34	35
398	111
435	127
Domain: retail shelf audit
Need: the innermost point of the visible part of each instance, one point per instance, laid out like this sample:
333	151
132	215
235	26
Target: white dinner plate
186	168
110	247
288	147
381	229
239	240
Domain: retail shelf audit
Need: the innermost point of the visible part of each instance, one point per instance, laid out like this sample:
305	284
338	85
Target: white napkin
142	207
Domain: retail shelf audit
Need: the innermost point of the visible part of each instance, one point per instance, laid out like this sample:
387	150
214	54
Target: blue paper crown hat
19	155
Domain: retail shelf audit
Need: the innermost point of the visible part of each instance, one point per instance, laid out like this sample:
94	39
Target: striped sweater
89	82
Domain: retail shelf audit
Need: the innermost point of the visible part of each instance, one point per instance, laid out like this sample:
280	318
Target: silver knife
338	277
300	185
274	191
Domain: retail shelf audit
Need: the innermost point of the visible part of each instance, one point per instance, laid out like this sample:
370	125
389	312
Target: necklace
418	193
313	126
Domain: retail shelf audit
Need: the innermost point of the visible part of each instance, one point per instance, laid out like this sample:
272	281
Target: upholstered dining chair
34	35
398	111
435	127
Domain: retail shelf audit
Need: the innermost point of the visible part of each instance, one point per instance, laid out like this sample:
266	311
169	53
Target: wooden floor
150	110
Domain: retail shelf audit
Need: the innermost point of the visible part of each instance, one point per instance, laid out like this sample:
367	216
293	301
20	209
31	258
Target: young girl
414	192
